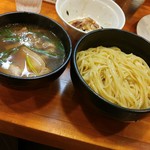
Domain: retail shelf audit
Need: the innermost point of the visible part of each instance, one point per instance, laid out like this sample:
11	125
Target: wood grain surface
58	117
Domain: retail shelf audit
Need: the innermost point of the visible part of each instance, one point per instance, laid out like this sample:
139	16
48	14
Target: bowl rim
131	110
57	69
85	32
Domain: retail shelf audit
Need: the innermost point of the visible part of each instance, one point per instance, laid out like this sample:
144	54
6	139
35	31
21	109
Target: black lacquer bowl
127	42
44	22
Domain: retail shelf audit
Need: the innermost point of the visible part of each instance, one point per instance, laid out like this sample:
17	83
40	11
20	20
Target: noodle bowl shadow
128	43
48	24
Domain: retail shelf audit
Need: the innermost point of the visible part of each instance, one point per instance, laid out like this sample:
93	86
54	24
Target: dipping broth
29	51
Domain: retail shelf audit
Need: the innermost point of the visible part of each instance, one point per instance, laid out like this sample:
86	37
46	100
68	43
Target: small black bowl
127	42
44	22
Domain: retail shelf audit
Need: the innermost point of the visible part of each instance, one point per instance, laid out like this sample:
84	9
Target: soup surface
29	51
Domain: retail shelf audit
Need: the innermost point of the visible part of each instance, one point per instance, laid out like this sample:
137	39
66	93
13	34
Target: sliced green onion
30	65
5	54
11	39
5	32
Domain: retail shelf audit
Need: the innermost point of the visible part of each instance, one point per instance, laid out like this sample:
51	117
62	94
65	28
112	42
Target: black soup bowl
128	43
45	23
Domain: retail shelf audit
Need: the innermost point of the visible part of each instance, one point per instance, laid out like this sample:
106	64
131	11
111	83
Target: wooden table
55	115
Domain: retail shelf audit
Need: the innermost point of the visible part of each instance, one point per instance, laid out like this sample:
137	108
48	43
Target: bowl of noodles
110	67
34	50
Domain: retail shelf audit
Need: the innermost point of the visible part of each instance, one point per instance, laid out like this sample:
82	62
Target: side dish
85	24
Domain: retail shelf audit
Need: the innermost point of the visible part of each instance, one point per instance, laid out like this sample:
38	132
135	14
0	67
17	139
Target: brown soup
29	51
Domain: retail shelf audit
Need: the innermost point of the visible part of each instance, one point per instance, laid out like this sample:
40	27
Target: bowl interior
127	42
106	13
44	22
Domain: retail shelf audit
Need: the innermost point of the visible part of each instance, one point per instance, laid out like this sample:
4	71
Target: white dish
143	27
106	13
